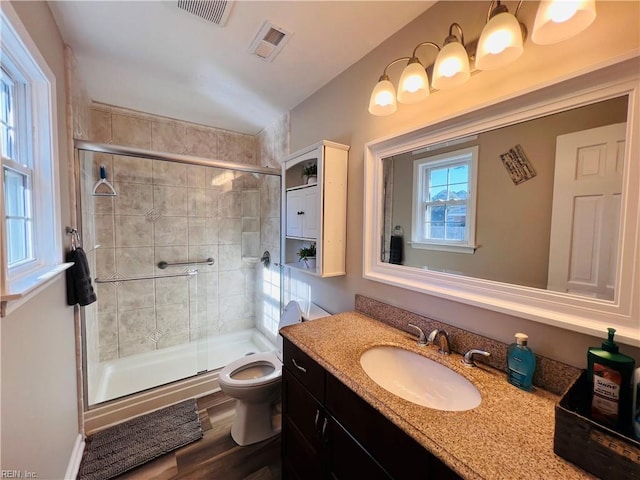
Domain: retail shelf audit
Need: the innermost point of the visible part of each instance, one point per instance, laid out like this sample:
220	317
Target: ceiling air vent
216	11
269	41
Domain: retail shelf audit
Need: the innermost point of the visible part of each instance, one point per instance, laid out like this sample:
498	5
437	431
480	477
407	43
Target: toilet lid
291	315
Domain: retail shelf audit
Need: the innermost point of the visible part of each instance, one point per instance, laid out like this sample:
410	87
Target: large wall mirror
529	207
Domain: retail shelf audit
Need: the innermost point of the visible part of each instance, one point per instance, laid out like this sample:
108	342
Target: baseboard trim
76	457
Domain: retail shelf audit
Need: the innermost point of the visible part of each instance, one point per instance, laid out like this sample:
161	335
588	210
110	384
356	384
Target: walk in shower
175	254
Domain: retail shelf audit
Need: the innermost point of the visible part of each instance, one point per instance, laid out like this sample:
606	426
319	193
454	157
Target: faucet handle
468	361
421	337
432	336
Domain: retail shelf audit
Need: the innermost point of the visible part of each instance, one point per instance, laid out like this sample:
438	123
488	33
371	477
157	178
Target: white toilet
255	381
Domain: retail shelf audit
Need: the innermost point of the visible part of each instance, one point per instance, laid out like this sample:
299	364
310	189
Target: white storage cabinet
316	212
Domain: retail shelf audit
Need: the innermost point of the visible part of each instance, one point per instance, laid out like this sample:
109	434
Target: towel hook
75	237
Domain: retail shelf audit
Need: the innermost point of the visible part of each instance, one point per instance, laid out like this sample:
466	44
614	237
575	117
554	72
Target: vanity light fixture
559	20
501	42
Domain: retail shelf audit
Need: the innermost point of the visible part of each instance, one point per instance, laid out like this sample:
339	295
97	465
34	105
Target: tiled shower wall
175	212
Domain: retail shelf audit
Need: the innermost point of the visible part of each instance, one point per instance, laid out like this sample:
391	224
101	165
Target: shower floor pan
128	375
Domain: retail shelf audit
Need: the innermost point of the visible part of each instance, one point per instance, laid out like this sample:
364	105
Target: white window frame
22	59
421	167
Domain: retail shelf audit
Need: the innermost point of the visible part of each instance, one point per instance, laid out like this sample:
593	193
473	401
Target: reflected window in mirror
443	204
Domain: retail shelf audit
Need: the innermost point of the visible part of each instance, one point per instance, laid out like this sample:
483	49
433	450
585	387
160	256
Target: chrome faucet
421	337
442	337
468	361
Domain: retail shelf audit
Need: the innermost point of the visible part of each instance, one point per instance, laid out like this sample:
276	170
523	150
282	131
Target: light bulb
562	11
498	41
450	67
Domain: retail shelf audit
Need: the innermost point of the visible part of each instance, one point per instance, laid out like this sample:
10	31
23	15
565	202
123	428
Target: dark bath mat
117	449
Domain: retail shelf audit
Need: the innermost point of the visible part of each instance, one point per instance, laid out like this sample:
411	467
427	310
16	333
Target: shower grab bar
190	273
162	265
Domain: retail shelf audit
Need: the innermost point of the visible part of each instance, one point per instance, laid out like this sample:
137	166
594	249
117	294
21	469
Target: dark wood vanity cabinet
328	431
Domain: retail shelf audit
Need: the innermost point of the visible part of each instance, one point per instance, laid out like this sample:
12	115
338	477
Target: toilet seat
257	359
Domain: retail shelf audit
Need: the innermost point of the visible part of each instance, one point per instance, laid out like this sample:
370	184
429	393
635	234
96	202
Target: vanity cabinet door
346	459
399	454
303	420
314	445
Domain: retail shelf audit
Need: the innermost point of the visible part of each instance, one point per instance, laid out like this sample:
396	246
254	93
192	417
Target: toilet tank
311	311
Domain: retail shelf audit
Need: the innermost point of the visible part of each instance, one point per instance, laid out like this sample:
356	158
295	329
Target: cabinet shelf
297	266
304	239
300	187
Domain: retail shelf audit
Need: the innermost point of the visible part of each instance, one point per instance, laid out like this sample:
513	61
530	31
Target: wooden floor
216	455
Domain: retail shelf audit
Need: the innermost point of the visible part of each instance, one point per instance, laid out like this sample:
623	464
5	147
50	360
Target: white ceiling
154	57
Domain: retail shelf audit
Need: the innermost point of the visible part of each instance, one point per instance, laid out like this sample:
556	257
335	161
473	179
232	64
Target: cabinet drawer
306	370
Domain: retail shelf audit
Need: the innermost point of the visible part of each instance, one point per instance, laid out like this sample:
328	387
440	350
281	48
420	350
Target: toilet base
253	423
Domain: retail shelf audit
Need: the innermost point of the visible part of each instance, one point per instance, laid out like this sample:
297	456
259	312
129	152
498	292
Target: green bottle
611	385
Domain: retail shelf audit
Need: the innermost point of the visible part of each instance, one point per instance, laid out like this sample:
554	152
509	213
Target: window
444	206
29	204
16	170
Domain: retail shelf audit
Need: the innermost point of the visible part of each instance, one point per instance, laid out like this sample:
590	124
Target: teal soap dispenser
611	380
521	363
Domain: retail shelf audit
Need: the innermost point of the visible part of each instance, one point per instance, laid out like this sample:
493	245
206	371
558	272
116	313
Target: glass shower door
144	330
175	256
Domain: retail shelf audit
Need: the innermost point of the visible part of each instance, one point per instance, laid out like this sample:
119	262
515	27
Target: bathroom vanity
330	432
339	423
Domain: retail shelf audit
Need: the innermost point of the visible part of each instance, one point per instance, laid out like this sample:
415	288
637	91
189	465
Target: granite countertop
509	436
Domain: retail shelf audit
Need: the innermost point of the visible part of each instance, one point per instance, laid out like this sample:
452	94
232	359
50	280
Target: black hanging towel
79	288
395	247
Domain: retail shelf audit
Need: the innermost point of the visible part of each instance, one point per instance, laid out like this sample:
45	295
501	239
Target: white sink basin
419	380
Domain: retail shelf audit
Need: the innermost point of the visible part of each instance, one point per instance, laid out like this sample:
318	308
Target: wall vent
215	11
269	41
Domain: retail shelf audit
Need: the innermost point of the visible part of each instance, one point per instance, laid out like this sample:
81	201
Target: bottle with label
636	404
521	363
611	381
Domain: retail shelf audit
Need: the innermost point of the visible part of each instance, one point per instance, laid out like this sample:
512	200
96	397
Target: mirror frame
578	313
